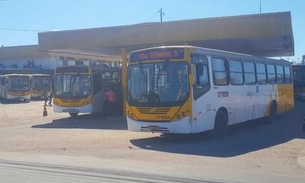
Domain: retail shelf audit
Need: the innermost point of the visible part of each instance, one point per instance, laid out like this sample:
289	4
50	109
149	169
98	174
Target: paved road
256	150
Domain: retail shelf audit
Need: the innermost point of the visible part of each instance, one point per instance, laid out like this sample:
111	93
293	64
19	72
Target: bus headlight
183	114
132	115
178	116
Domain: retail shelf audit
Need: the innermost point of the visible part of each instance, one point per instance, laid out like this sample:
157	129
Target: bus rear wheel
220	125
73	115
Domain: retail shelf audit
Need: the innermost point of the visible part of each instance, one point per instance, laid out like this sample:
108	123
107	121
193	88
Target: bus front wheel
221	124
73	115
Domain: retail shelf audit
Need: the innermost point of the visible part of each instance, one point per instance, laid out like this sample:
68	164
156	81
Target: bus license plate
153	128
70	110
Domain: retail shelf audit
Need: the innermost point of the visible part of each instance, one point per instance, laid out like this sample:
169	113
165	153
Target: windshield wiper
163	68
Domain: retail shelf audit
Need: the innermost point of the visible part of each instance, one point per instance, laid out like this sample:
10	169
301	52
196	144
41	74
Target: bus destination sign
157	54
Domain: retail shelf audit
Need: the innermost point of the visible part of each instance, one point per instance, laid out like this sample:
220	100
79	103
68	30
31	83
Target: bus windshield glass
42	82
158	84
72	85
19	83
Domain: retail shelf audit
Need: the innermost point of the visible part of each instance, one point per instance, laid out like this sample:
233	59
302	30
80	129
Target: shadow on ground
87	122
242	138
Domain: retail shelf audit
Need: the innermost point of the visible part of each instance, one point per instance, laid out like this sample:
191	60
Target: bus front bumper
183	125
82	109
13	97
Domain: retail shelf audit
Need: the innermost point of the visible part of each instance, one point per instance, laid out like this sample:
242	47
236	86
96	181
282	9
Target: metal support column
124	77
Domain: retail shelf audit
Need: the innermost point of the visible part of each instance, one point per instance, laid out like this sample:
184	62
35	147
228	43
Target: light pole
260	6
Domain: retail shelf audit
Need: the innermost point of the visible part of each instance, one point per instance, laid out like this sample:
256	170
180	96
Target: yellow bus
186	89
39	83
15	86
81	89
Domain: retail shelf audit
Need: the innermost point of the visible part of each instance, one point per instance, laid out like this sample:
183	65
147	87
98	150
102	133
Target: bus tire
73	115
272	113
220	124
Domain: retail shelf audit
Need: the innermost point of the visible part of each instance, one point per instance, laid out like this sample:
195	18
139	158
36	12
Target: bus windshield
40	83
19	83
72	85
158	84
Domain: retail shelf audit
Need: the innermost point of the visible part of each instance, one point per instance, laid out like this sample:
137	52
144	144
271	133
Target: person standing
45	96
111	99
50	96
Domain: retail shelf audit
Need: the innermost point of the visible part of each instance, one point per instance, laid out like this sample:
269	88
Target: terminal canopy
268	35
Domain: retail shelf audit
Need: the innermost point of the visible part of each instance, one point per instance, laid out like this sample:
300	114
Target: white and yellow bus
186	89
15	86
39	83
81	89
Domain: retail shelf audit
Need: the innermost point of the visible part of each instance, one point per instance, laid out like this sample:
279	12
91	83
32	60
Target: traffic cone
45	112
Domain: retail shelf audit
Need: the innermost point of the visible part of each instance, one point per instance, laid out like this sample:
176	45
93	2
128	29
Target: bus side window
261	74
249	72
271	74
220	72
287	75
236	72
280	74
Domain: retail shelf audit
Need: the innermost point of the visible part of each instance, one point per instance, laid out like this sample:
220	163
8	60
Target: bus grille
154	110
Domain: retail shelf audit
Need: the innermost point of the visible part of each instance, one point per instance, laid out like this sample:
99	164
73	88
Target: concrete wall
46	63
39	62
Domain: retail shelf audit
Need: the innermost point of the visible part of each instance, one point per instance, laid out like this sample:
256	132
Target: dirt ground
254	147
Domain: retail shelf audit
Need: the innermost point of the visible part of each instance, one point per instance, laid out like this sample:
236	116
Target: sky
21	20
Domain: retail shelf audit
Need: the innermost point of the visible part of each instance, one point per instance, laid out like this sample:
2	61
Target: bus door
98	95
202	105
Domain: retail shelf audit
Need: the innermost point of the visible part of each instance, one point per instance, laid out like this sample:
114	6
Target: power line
158	12
22	30
5	0
152	16
168	18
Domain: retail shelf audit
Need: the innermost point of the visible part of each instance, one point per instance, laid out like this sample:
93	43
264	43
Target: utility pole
260	6
161	14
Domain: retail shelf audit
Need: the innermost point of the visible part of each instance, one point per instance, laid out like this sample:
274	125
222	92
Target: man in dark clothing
45	96
50	96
